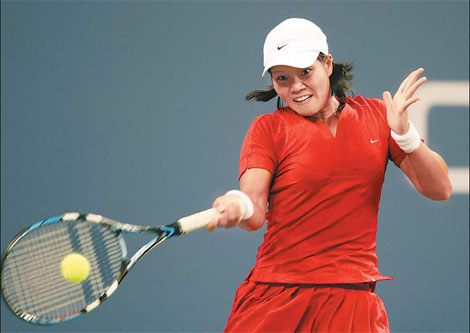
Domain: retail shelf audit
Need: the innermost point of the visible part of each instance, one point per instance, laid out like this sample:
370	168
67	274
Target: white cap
294	42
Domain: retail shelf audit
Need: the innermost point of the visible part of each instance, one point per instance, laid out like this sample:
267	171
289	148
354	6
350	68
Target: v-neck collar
327	128
321	125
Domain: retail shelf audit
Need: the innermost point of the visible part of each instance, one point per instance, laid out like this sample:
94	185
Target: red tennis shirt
325	193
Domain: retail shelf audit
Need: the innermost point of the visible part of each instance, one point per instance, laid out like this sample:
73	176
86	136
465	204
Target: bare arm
255	183
428	173
425	168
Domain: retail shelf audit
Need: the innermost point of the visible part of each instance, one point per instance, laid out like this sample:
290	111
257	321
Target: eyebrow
283	71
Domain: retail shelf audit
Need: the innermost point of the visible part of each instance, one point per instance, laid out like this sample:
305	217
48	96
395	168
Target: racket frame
162	233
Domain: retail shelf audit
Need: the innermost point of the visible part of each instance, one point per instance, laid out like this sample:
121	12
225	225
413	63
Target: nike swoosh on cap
280	47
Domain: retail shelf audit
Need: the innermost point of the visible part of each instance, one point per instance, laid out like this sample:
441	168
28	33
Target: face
304	90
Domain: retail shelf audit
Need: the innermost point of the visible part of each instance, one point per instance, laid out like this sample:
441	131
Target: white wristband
250	209
408	141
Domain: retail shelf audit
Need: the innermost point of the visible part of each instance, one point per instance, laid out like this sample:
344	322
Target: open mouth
302	99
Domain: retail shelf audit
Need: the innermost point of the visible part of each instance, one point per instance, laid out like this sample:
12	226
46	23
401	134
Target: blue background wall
136	111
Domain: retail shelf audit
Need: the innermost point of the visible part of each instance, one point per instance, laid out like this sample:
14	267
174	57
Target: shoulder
366	103
265	118
372	106
272	117
269	122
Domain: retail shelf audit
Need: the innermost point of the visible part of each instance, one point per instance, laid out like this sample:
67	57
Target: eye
306	71
281	78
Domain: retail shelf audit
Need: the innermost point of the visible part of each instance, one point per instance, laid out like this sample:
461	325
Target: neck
331	110
329	113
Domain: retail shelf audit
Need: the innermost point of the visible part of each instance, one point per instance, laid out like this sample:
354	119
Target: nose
297	85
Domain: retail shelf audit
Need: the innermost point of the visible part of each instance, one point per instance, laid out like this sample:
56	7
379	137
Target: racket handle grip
196	221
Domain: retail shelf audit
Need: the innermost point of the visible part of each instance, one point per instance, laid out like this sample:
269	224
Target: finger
410	101
220	209
219	205
387	97
212	225
410	79
410	92
404	83
231	217
218	202
216	221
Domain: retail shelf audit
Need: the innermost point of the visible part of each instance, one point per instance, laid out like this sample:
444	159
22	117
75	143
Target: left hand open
397	114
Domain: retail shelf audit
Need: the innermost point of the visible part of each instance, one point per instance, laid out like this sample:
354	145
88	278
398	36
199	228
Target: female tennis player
314	169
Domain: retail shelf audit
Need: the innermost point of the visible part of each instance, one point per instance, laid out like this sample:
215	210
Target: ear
329	64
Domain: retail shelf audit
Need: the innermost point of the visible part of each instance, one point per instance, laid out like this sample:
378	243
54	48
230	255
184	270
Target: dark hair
339	84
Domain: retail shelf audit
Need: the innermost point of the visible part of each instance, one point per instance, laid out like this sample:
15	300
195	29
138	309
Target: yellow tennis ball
75	267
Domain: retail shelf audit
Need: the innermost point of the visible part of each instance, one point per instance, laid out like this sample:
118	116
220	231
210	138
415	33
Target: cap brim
294	59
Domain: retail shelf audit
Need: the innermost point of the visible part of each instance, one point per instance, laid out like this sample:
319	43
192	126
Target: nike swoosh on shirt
280	47
373	141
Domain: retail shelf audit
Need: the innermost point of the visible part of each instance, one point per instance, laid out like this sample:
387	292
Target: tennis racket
32	281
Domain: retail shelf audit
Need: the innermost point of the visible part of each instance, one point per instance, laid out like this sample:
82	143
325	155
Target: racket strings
30	263
33	267
36	258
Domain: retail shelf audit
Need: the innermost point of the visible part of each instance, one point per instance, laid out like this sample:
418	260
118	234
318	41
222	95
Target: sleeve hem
256	163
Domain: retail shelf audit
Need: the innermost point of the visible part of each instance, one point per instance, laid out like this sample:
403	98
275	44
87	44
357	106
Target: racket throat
173	229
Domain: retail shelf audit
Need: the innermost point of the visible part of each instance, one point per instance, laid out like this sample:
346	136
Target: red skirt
267	307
